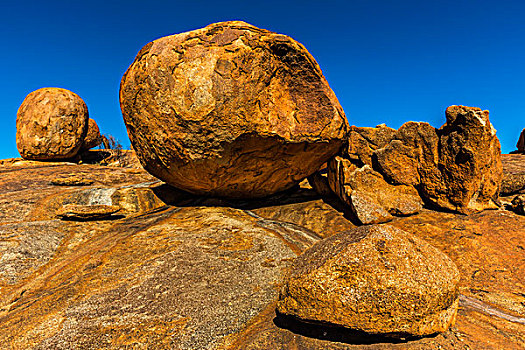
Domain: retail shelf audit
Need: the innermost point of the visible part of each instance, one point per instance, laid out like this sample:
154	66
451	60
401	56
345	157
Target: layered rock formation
377	279
51	124
457	167
230	110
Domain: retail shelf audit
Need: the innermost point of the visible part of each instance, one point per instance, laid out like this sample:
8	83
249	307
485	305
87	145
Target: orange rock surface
230	110
92	138
164	275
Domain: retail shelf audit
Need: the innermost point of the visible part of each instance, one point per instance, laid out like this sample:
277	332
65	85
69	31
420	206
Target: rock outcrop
469	161
370	197
457	167
51	124
377	279
230	110
93	137
164	275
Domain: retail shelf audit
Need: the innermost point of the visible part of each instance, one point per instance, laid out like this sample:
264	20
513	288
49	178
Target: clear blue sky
388	61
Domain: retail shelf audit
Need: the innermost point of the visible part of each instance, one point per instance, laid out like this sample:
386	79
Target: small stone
377	279
86	212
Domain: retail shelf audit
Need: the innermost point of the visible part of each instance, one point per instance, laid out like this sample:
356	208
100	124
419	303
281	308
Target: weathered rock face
457	167
363	141
92	138
370	197
230	110
469	160
379	280
51	124
521	142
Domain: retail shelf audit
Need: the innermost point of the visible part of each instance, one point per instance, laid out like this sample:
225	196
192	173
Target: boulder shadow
173	196
335	333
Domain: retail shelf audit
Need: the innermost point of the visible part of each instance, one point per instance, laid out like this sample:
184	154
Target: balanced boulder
377	279
230	110
51	124
93	137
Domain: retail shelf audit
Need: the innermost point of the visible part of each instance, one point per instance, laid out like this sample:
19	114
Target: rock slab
51	124
230	110
377	279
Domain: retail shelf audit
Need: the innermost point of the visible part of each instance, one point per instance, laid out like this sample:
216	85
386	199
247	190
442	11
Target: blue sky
387	61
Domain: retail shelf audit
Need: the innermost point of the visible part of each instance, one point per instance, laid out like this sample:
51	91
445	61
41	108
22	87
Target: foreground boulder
377	279
230	110
93	137
51	124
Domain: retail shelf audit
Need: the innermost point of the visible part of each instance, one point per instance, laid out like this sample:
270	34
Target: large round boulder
230	110
51	124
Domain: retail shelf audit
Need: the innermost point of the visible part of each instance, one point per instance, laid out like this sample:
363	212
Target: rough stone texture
339	171
230	110
377	200
518	204
110	269
521	142
93	137
457	167
412	157
367	210
380	280
71	181
513	174
363	141
86	212
51	124
469	160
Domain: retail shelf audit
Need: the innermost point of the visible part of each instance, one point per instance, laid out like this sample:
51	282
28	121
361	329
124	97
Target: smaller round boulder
376	279
93	137
51	124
